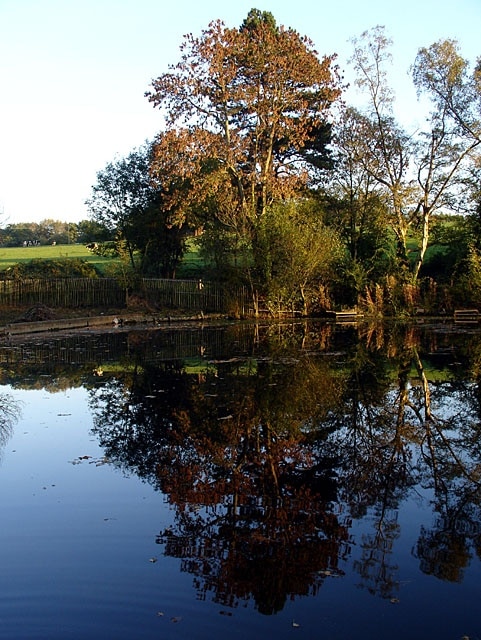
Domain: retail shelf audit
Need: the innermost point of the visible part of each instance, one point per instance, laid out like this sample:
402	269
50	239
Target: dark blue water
110	528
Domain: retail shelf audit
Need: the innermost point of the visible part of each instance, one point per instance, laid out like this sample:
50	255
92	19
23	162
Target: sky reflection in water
273	482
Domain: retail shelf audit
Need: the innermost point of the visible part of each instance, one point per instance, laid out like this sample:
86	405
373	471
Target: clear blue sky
73	75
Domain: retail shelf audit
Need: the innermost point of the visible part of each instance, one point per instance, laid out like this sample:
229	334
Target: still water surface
294	481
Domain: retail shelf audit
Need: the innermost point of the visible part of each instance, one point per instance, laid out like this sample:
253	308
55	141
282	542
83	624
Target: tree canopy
243	108
126	201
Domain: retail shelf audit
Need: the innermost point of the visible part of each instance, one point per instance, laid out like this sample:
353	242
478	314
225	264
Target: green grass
191	267
10	256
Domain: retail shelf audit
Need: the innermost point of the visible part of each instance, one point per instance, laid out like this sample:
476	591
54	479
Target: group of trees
52	231
310	201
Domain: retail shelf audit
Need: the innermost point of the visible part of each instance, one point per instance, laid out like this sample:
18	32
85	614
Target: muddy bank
97	322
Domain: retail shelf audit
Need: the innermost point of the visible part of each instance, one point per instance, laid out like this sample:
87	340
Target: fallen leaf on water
331	573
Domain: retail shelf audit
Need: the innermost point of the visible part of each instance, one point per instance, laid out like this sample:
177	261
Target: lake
291	480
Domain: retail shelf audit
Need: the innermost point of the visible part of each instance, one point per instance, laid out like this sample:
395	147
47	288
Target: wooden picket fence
196	295
62	292
189	295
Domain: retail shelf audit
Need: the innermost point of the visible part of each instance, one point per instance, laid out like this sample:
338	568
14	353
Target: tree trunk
424	241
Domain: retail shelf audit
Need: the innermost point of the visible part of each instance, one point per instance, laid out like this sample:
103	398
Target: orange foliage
240	107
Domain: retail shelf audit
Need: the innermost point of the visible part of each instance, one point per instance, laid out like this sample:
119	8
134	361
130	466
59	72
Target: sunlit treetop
255	18
262	93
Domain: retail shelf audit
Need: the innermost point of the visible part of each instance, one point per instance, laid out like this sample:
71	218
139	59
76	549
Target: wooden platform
347	316
466	315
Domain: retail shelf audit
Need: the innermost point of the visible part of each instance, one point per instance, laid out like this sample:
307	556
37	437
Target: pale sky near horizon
73	74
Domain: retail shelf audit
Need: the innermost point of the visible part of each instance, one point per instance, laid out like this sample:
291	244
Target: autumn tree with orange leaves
247	121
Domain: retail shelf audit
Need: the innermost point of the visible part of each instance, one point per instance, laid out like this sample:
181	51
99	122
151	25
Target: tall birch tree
422	172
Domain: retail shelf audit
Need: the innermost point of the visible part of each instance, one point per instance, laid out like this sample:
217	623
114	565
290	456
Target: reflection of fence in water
138	345
178	345
79	349
193	295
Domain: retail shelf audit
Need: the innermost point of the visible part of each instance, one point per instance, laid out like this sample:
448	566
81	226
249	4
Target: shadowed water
306	479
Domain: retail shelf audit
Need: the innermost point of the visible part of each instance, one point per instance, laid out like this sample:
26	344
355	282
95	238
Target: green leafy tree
127	204
17	234
299	255
91	231
122	190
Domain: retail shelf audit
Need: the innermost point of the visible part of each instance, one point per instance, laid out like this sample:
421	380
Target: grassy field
191	267
14	255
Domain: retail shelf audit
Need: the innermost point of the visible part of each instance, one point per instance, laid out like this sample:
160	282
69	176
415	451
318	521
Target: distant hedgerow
61	268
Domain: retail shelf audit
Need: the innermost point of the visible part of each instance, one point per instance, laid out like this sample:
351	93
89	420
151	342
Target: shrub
61	268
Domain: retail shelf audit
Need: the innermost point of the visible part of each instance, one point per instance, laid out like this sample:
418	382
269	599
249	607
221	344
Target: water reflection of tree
450	451
372	441
235	449
391	437
445	436
267	460
9	414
